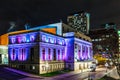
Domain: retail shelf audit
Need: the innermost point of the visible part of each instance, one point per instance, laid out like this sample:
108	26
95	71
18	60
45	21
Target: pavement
83	75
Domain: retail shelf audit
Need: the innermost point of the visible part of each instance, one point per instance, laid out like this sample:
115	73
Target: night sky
42	12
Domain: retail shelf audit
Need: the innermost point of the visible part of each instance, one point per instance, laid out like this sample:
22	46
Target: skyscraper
80	22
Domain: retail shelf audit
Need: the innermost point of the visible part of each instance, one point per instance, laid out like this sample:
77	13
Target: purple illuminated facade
40	51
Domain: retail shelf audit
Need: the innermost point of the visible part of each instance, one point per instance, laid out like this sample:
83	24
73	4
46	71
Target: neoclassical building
41	52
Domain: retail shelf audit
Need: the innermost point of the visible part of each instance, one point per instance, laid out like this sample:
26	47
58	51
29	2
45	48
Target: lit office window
107	35
96	39
92	39
100	39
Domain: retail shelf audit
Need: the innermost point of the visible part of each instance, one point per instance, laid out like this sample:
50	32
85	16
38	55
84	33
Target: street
82	76
9	75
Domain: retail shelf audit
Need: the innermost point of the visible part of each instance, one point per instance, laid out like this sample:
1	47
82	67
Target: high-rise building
104	40
80	22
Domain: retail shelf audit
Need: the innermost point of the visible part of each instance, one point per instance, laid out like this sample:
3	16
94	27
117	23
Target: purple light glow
89	52
23	38
13	54
43	54
49	56
43	37
22	55
86	52
58	54
51	39
32	38
12	40
63	57
19	39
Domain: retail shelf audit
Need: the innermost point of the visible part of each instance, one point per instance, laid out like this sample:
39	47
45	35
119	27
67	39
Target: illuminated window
63	42
18	39
23	54
43	54
54	54
54	40
49	52
79	53
49	39
32	38
13	55
107	35
24	39
96	39
62	54
43	37
58	41
83	51
58	54
92	39
100	39
87	52
27	38
13	40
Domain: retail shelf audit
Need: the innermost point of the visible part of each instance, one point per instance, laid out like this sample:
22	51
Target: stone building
40	51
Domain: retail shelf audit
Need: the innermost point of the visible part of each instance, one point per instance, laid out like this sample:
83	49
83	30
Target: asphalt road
82	76
9	75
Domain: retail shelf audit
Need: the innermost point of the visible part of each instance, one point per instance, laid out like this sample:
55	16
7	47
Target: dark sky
40	12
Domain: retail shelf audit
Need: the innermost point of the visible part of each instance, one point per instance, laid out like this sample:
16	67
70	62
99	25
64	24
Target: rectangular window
49	52
43	54
54	54
62	54
58	54
31	54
